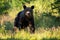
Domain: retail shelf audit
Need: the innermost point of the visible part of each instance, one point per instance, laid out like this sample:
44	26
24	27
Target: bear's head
28	11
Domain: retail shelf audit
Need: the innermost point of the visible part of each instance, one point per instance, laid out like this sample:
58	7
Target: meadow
46	19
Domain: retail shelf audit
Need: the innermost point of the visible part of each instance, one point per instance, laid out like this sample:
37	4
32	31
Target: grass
40	34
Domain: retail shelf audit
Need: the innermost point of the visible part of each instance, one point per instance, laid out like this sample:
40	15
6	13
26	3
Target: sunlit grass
38	35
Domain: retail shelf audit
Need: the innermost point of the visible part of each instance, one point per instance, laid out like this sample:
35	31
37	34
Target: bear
24	19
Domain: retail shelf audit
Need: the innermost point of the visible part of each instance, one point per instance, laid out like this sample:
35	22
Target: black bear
25	18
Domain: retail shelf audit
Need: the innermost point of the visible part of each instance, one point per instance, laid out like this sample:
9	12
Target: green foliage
4	6
56	5
8	26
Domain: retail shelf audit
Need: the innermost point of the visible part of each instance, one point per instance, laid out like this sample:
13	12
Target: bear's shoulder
20	14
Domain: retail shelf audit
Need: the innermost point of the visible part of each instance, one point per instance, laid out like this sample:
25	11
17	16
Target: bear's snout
28	13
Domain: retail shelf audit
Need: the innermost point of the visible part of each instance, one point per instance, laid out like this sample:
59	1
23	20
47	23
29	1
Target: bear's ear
32	7
24	6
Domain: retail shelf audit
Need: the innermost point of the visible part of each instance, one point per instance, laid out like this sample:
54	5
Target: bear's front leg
32	28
